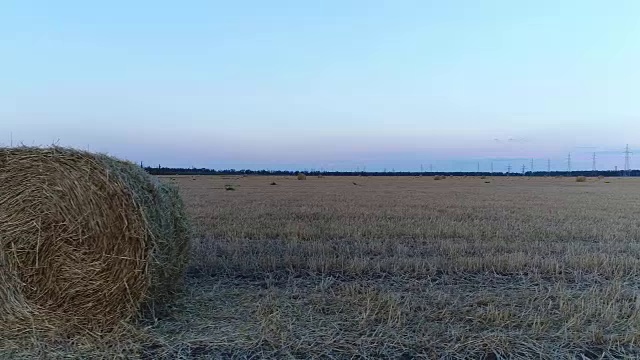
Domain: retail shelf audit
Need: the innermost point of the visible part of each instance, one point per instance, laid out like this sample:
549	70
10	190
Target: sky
332	84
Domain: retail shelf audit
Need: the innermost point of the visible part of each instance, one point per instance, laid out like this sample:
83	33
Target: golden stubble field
402	268
408	267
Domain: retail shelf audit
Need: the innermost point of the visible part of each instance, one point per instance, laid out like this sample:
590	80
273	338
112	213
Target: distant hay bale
302	176
600	177
483	177
87	242
581	179
439	177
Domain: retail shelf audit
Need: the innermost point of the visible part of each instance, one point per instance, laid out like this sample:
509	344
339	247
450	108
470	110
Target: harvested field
406	268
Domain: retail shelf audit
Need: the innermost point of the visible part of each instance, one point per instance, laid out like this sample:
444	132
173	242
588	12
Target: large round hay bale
87	241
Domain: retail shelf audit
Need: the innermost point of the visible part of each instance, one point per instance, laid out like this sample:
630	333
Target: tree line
204	171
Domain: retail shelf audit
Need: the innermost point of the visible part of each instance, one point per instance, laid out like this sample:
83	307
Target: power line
627	155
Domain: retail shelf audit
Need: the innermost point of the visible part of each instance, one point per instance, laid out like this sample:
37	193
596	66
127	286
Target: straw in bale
87	242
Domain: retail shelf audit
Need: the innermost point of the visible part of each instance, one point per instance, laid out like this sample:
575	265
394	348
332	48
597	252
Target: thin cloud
511	140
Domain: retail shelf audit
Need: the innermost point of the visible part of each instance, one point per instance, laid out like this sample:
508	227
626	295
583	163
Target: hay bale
581	179
87	242
302	176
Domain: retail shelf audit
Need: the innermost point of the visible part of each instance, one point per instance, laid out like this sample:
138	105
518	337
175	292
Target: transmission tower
523	168
569	164
431	168
508	169
593	165
492	168
421	168
548	167
531	167
478	169
627	155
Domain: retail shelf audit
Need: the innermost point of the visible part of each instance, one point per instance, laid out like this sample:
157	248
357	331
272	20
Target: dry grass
407	268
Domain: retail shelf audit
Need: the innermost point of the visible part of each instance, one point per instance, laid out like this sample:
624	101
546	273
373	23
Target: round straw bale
87	241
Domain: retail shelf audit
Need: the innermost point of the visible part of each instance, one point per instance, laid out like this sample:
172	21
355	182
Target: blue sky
327	84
